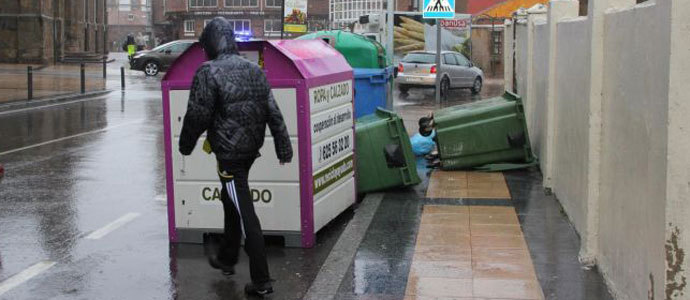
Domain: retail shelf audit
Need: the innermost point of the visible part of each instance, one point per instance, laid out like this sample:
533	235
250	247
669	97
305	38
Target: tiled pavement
471	252
421	247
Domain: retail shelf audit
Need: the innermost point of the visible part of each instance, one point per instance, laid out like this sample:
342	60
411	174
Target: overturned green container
384	153
484	132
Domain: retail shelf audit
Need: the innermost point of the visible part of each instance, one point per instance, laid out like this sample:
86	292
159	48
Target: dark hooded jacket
231	100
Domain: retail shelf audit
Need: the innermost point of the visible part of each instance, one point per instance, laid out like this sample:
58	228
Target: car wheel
477	86
403	89
445	87
151	68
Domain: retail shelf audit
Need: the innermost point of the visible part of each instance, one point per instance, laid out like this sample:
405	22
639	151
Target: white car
418	69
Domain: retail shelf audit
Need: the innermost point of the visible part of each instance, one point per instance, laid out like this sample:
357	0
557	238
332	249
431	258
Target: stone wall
41	31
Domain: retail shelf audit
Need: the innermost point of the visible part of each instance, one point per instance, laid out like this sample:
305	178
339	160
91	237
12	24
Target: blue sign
439	9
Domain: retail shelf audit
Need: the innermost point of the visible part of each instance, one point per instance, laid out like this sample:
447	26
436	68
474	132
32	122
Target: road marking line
69	137
103	231
24	276
334	269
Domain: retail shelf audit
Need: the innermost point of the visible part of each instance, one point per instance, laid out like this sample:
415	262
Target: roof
506	9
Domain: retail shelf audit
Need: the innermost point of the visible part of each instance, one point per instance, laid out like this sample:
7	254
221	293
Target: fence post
508	43
83	78
105	62
122	78
30	82
558	10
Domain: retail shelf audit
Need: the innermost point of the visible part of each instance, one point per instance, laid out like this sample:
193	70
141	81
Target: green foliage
466	46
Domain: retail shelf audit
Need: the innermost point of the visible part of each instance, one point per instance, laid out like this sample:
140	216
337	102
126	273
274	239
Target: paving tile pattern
475	252
461	184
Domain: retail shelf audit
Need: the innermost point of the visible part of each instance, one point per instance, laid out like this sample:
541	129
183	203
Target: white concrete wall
508	55
536	124
678	149
606	96
572	119
521	60
633	150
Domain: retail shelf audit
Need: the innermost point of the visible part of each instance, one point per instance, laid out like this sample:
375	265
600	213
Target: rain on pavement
83	210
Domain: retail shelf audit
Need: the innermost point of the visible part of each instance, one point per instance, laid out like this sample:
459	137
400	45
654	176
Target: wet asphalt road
73	168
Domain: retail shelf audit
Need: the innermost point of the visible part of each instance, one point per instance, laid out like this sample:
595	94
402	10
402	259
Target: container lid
360	51
311	59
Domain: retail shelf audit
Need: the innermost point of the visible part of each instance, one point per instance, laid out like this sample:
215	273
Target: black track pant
237	197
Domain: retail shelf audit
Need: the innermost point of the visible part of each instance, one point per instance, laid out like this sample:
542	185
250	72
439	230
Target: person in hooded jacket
231	101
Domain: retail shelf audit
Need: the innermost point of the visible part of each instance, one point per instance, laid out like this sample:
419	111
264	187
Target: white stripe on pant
230	186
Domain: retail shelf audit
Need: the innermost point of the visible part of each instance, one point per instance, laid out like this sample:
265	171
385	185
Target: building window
124	5
244	26
203	3
274	3
272	25
241	3
130	17
189	27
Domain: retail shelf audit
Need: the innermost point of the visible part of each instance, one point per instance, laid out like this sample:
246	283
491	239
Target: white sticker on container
331	95
332	149
332	121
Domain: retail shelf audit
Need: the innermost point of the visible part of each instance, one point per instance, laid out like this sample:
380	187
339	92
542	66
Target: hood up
218	38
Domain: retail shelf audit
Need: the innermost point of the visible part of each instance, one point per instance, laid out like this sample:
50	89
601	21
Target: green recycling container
483	132
384	153
359	51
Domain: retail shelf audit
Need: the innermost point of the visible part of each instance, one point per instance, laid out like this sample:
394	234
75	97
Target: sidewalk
48	81
488	245
424	243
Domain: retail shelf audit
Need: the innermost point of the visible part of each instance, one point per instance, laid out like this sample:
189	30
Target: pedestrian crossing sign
439	9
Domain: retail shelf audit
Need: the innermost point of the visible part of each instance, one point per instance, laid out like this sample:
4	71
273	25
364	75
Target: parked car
418	69
160	58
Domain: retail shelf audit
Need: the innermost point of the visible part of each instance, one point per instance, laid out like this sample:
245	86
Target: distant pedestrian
231	101
130	46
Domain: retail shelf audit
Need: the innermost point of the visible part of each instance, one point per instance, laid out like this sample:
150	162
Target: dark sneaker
217	264
258	289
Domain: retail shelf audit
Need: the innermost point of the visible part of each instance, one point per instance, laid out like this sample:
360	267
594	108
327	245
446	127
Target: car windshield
420	58
163	46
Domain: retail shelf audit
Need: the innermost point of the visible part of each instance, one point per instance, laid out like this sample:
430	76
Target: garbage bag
422	145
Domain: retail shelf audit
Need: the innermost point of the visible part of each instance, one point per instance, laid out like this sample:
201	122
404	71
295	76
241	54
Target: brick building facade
45	31
255	18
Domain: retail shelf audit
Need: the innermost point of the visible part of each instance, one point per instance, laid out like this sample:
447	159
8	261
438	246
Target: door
464	69
450	67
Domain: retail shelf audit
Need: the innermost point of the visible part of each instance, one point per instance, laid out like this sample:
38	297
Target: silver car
418	69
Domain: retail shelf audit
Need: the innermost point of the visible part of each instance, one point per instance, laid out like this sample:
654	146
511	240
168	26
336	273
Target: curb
22	104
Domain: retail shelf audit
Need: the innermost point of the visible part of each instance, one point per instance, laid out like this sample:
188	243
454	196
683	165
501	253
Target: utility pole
282	19
438	63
